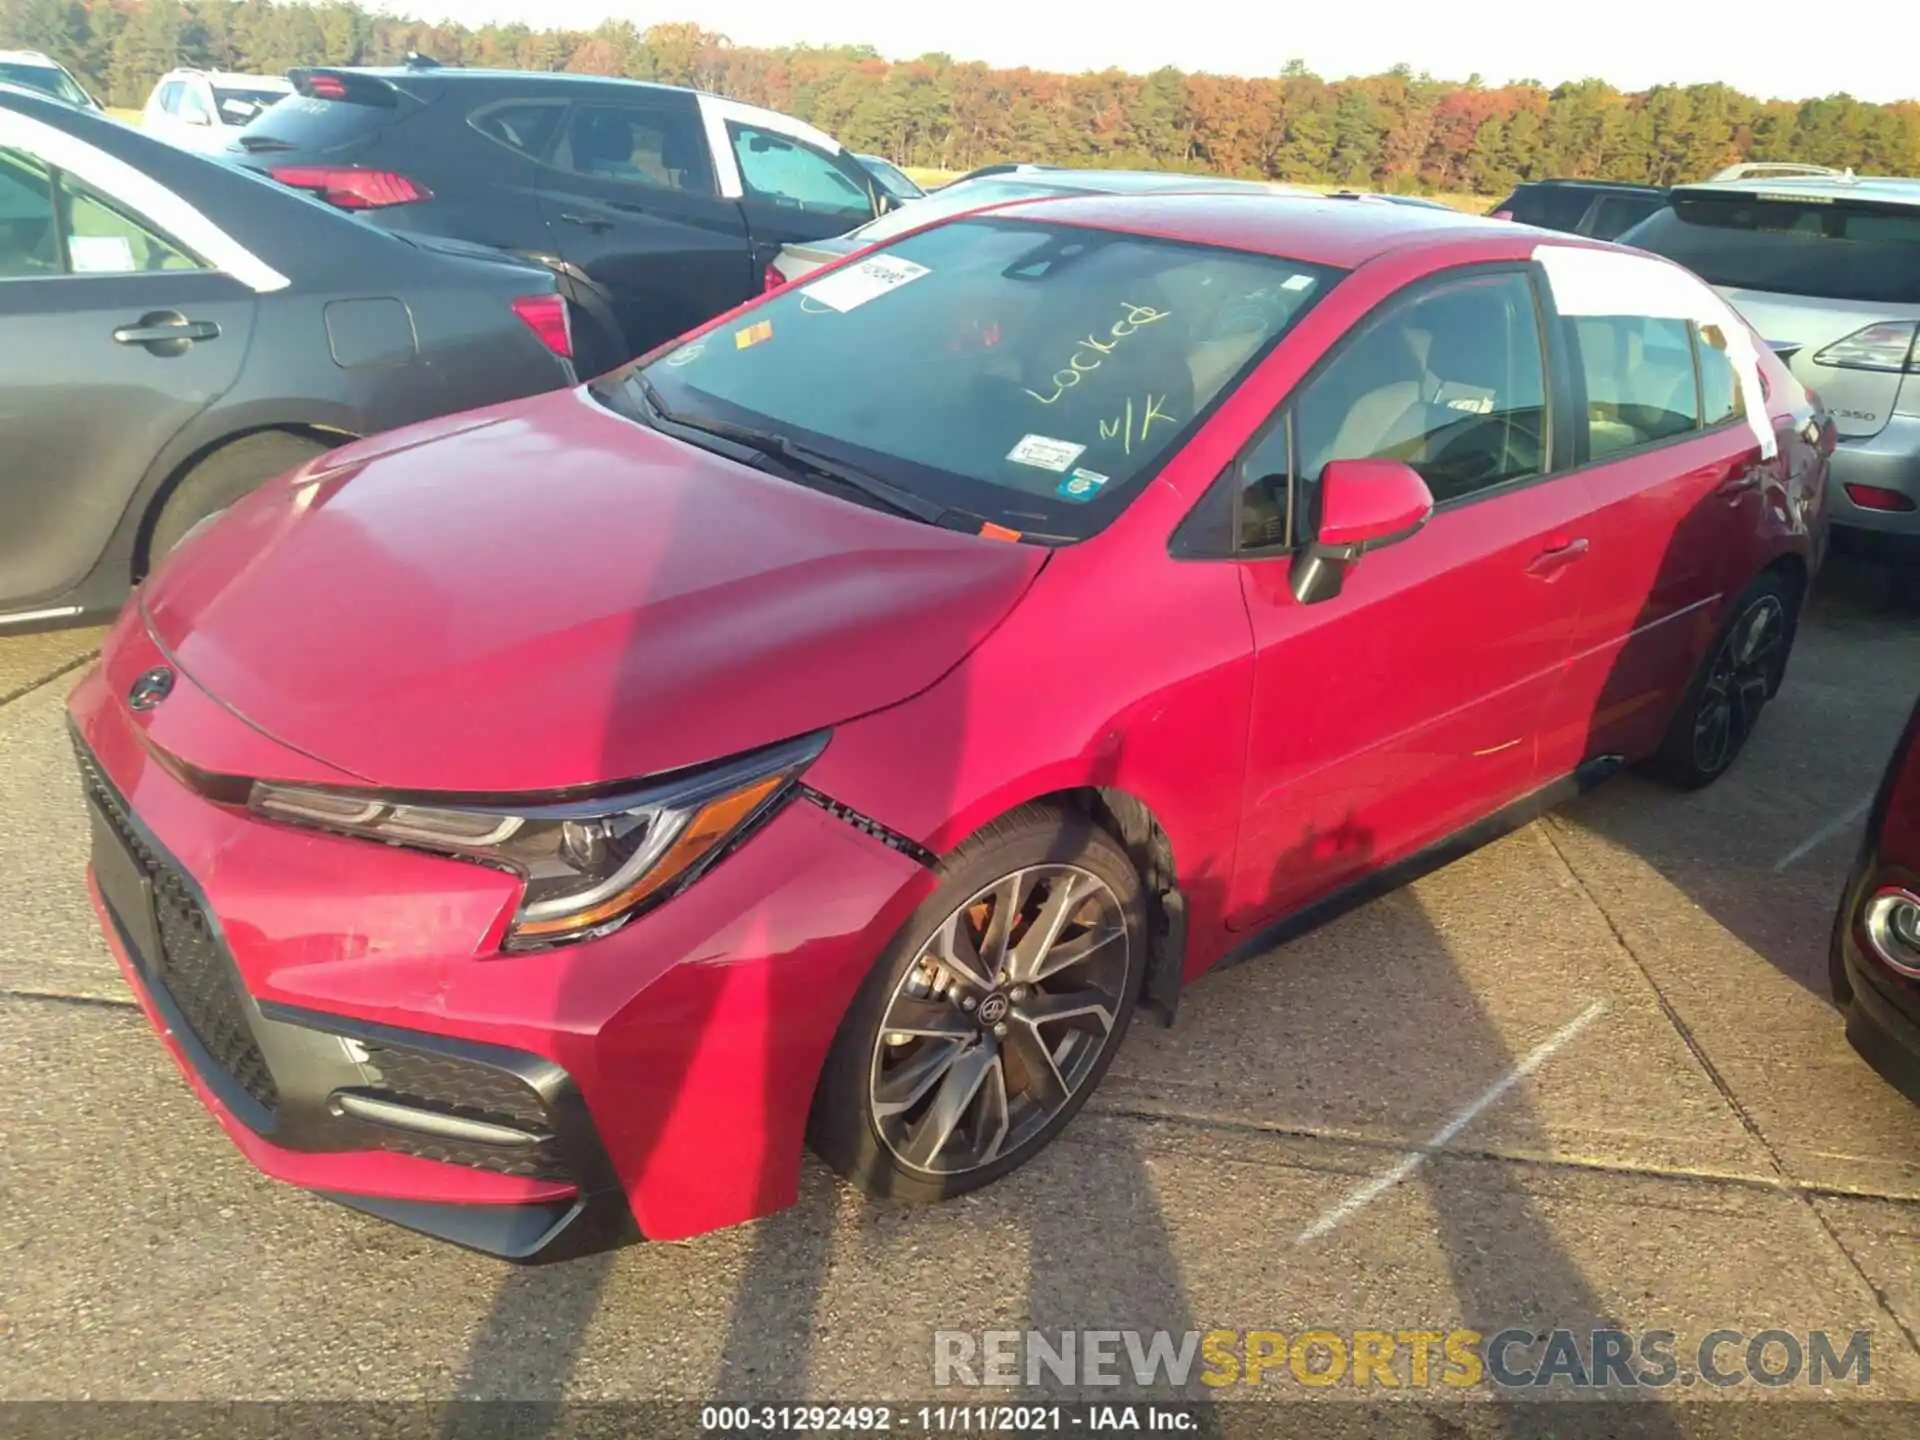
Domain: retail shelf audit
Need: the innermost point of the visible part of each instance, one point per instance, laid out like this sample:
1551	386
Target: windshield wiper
253	144
804	459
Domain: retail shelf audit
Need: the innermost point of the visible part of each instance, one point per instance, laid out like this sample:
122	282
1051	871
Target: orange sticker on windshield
753	335
991	531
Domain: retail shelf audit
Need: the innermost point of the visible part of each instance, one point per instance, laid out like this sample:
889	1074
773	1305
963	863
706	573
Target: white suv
205	109
33	71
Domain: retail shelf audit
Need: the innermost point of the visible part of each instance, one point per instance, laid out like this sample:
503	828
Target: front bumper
1889	460
1881	1006
344	1010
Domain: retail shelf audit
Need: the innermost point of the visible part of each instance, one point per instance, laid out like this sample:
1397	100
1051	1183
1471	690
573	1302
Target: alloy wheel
1737	685
1000	1019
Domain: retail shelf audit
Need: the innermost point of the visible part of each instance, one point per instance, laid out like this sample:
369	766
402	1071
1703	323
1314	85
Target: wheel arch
159	495
1132	822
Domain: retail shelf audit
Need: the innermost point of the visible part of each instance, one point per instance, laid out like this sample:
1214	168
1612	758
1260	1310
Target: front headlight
590	864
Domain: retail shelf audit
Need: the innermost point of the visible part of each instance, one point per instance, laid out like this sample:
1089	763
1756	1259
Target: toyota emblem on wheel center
150	689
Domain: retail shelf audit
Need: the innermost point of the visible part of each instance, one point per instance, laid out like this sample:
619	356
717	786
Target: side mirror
1364	504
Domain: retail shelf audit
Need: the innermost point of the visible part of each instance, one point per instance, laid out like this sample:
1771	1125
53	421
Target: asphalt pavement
1587	1077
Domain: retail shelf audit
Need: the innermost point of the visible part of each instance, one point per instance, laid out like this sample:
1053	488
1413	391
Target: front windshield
1034	375
954	200
238	107
47	79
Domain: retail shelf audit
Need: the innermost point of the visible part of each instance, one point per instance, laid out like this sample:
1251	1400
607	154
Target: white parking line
1820	837
1359	1199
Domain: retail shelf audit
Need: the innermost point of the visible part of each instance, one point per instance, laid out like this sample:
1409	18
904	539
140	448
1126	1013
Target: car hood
545	595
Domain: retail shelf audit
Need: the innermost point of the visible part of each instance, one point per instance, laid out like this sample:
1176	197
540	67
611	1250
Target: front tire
1741	672
991	1016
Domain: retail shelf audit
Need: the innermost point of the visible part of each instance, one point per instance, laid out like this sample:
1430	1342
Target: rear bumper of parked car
344	1010
1883	1013
1888	463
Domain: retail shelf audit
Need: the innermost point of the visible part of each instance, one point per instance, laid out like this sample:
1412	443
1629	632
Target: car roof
1633	186
1314	228
1137	182
1886	189
227	77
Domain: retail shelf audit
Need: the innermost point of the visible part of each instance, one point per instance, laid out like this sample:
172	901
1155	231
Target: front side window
1639	381
193	106
1029	374
781	169
1448	380
653	146
169	97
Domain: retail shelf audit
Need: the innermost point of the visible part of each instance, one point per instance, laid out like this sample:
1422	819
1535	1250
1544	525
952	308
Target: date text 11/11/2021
728	1420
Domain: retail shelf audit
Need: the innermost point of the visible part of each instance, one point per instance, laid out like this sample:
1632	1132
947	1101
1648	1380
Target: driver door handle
1740	484
1549	564
178	328
594	223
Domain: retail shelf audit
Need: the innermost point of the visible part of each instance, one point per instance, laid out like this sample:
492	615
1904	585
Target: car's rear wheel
223	477
1723	701
992	1015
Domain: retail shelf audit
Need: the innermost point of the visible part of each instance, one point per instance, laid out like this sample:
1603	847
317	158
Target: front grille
451	1085
192	966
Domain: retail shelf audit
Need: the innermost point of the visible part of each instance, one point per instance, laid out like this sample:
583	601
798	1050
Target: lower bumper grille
192	965
466	1090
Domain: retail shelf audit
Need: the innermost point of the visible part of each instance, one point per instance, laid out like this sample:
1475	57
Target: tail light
1885	346
352	187
773	279
546	316
1872	497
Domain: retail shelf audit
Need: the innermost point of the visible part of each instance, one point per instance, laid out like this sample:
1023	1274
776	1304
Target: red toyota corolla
532	826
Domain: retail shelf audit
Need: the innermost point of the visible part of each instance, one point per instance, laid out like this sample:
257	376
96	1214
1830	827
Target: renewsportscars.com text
1401	1358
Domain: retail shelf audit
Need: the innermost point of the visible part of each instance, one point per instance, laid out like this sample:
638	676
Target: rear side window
781	169
29	241
1721	398
1618	213
1828	249
526	126
652	145
169	97
1639	380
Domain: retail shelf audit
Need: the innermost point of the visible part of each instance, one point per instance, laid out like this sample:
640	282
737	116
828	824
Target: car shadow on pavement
1763	850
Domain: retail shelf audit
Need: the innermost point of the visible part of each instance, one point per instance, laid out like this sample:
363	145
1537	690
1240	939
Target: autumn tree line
1400	131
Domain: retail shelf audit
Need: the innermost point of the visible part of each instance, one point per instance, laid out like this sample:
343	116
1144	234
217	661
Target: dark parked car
1600	208
1874	962
660	207
174	331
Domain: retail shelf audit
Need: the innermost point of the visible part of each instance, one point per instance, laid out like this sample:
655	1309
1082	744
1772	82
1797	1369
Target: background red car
1875	961
535	823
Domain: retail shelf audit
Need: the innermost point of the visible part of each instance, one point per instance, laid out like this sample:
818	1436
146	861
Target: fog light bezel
1877	924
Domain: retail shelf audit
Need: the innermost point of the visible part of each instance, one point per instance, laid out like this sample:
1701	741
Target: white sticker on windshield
100	254
854	286
242	110
1045	454
1297	282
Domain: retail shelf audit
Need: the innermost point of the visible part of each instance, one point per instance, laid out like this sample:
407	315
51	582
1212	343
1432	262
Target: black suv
659	207
1600	208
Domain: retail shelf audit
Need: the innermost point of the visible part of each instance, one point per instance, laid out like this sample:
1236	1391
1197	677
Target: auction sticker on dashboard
1045	454
1081	485
854	286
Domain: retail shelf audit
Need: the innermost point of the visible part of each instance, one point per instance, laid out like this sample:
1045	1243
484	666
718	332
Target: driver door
1408	706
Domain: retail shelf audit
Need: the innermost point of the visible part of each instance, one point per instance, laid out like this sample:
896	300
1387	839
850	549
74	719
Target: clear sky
1770	48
